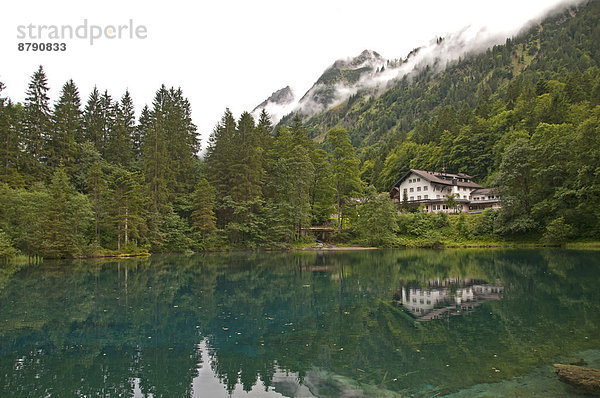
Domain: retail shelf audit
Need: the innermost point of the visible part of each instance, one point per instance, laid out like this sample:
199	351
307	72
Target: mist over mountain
371	74
279	103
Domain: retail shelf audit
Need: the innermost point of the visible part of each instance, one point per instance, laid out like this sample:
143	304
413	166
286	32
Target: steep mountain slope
563	42
280	103
339	81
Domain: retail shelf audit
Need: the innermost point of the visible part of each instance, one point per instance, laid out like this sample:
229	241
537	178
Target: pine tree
126	200
108	116
246	169
37	122
66	128
138	133
93	120
220	153
170	145
120	146
97	187
11	116
203	215
155	152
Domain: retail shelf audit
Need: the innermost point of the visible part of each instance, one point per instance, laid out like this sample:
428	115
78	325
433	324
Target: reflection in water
453	296
293	324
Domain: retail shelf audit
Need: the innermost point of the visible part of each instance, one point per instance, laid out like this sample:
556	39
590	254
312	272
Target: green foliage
376	223
345	166
68	217
523	117
203	215
558	232
7	251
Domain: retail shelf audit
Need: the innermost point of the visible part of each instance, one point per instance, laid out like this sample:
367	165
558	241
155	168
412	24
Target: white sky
233	53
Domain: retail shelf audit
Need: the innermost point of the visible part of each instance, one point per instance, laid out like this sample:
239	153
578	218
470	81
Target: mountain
456	70
342	79
278	104
339	81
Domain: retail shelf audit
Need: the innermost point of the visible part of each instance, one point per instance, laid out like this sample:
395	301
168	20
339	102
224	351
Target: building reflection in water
442	298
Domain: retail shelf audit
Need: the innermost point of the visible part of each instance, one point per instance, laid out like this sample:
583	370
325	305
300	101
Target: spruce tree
11	134
108	116
66	129
93	123
126	205
120	145
37	122
220	153
246	168
203	215
138	133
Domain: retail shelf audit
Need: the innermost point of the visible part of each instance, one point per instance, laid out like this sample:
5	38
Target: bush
484	223
7	250
558	232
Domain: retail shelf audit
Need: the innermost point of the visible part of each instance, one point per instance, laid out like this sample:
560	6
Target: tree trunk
585	380
339	208
119	234
126	224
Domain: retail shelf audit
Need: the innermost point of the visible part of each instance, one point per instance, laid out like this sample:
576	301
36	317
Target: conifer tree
66	128
67	214
203	215
220	152
93	120
126	199
120	146
170	145
37	121
246	169
138	133
11	135
108	116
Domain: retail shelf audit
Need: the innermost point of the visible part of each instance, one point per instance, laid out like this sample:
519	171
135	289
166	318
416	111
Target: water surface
369	323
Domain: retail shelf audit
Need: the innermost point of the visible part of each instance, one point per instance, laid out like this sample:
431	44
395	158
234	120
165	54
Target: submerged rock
585	380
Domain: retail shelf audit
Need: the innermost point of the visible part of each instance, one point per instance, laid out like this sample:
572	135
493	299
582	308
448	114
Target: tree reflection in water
292	323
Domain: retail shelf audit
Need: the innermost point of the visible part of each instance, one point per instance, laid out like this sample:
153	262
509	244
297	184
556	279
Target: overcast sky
233	53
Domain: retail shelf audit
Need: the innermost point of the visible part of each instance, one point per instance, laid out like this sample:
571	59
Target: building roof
483	191
462	180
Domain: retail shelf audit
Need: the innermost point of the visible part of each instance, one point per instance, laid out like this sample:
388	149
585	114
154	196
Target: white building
450	298
432	189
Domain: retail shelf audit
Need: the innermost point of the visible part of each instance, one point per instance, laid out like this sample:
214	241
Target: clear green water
300	324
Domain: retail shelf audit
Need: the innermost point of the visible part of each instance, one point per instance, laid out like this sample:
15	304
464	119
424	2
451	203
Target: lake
376	323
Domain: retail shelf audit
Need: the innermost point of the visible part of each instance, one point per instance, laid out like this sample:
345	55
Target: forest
91	179
95	181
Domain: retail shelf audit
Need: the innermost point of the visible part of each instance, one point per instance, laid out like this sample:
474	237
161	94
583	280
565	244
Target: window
426	197
412	198
437	196
465	196
410	181
412	189
425	188
418	189
404	190
419	197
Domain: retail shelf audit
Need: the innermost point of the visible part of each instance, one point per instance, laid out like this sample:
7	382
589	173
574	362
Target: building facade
433	190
